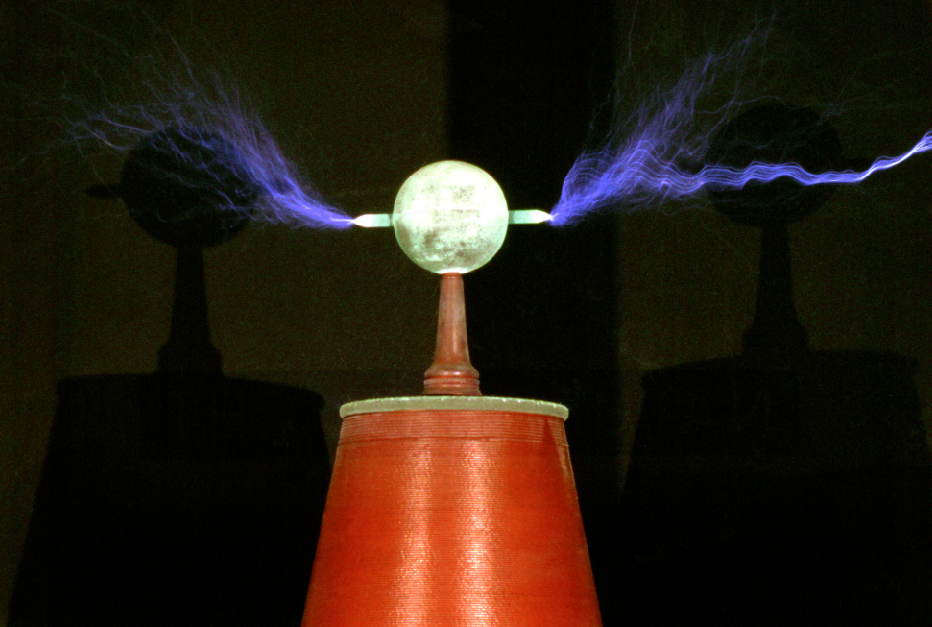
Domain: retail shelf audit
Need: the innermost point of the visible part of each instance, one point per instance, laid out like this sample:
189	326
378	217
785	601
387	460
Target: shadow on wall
181	495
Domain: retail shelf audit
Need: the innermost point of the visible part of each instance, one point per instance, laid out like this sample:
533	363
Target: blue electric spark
654	159
203	136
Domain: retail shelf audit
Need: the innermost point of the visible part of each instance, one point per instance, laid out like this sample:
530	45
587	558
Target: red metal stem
451	373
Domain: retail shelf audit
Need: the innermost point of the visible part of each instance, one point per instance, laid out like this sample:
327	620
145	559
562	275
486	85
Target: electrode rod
515	216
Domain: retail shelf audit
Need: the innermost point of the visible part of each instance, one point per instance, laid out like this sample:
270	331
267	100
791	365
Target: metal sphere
450	216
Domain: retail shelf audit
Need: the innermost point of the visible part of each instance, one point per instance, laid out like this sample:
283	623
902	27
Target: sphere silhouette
188	187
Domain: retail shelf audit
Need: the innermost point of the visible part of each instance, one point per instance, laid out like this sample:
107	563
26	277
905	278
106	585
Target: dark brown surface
174	499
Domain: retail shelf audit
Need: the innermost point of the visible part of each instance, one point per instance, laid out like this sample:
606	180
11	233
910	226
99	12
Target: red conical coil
453	512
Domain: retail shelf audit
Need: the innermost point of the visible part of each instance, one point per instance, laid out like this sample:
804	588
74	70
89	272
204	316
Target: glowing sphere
450	216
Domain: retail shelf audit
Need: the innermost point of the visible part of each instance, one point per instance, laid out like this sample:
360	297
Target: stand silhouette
183	496
785	485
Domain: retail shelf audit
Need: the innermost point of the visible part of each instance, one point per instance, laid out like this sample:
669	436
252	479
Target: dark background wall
362	93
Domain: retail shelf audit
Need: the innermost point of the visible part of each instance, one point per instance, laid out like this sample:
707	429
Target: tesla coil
452	508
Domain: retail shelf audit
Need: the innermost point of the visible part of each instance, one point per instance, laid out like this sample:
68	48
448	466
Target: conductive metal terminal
450	218
528	216
370	220
515	216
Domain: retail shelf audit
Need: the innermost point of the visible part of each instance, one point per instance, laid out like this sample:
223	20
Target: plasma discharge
657	156
196	131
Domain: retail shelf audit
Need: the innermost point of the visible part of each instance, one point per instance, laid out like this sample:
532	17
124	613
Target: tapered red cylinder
451	373
452	511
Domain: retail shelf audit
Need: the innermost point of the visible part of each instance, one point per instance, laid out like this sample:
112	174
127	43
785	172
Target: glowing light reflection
479	559
414	579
